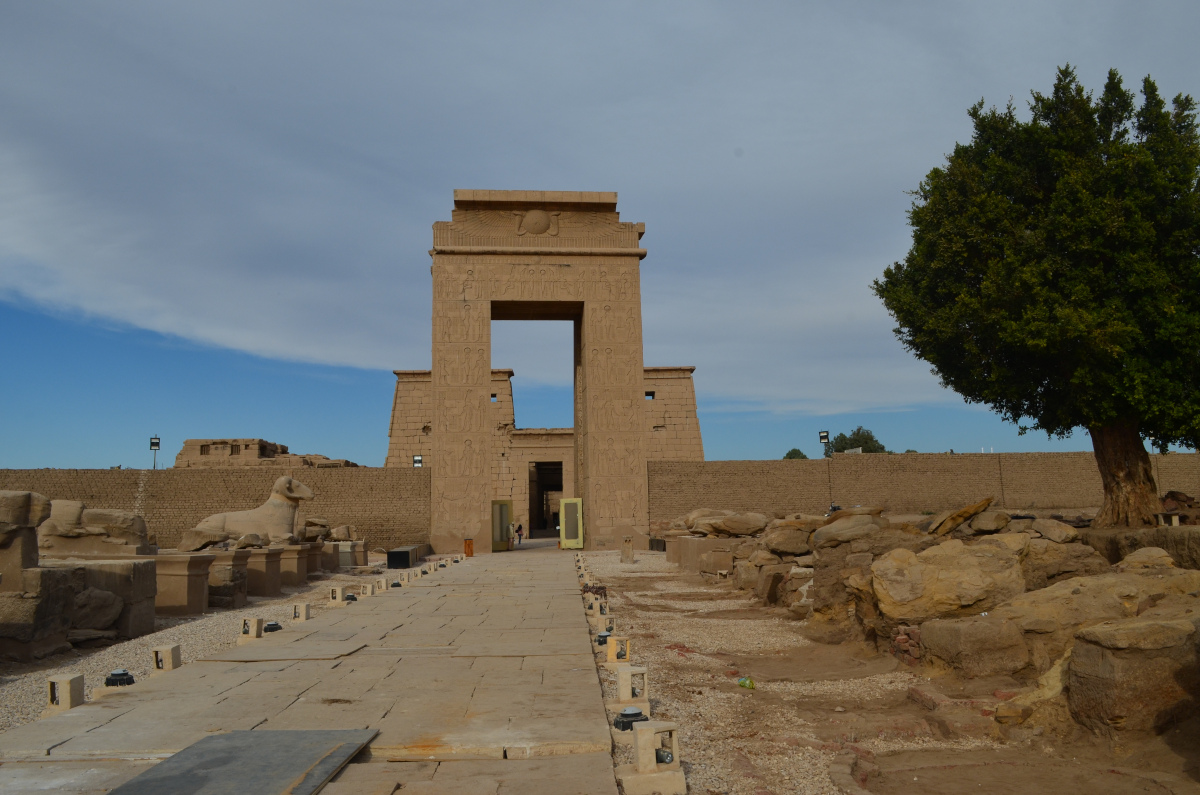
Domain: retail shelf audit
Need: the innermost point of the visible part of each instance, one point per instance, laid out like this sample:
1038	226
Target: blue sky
214	217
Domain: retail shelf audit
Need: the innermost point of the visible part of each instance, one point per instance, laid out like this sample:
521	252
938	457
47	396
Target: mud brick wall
906	483
389	506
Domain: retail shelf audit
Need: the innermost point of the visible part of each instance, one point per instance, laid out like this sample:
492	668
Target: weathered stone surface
1020	526
712	562
947	523
96	609
989	522
787	538
745	549
1047	562
22	509
745	575
762	557
1146	558
1055	530
124	525
978	646
1133	675
770	578
740	524
66	519
846	529
858	510
1181	543
1051	616
1015	542
702	513
944	581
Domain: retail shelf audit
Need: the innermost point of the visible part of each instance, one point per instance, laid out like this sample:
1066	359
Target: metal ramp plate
252	763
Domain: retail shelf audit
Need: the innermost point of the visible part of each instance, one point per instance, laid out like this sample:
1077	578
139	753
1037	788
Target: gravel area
23	685
735	740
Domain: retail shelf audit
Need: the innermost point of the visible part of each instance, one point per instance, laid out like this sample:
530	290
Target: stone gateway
539	255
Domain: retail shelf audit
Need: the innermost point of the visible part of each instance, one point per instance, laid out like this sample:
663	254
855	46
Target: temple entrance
545	497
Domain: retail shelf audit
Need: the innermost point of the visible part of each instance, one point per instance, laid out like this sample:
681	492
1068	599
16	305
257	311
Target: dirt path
813	703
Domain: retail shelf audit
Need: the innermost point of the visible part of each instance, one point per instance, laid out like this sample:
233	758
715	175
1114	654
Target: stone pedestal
293	565
18	551
134	580
262	572
329	556
182	584
360	553
315	558
227	578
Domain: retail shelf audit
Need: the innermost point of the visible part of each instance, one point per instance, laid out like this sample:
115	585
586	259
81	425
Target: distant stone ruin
214	453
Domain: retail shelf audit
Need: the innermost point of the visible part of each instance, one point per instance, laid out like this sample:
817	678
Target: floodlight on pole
154	444
824	436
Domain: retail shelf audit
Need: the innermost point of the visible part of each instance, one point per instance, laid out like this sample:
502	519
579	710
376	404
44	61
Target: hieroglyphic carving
461	412
462	457
461	322
466	365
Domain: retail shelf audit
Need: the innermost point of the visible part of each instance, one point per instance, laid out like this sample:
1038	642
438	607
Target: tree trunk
1130	494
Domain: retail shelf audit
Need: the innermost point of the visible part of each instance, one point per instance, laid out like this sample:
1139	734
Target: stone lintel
601	201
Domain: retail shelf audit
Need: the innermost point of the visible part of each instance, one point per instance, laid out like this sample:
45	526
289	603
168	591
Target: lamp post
154	440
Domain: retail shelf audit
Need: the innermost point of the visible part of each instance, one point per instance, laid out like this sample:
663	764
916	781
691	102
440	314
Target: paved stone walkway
479	678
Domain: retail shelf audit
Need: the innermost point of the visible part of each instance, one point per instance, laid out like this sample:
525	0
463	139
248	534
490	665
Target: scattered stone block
647	775
301	612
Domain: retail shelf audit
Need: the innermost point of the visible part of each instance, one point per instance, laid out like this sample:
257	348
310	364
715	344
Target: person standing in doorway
520	534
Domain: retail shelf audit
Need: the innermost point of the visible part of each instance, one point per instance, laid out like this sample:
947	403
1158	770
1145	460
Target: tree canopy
1054	272
859	437
795	454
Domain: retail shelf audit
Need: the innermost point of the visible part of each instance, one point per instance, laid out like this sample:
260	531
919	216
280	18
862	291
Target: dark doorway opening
545	491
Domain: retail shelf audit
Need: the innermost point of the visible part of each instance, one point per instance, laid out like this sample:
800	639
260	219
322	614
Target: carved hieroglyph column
534	255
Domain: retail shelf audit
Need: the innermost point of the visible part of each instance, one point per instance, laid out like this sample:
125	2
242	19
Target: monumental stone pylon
538	255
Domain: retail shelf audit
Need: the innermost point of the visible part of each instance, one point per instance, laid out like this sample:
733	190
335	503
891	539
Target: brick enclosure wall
906	483
389	506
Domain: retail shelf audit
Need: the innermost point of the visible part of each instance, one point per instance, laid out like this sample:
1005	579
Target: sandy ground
813	702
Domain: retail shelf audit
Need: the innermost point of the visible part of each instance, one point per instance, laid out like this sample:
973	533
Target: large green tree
1054	275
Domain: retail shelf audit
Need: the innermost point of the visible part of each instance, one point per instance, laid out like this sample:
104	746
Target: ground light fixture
118	678
272	626
627	717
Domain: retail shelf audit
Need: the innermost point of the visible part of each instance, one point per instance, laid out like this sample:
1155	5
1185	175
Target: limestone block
1146	558
302	612
745	575
125	526
96	609
785	537
262	572
846	529
18	551
293	565
1133	675
762	557
770	578
945	580
1055	530
691	548
34	620
182	584
990	522
228	578
330	556
1047	562
975	646
136	619
316	558
712	562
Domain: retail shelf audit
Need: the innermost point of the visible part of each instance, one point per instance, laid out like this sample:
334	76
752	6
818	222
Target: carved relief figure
536	222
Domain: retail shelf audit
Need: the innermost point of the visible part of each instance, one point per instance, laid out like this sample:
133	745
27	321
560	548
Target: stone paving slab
481	679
